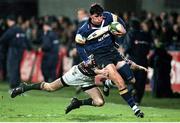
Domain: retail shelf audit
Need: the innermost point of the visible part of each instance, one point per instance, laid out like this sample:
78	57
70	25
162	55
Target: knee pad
126	72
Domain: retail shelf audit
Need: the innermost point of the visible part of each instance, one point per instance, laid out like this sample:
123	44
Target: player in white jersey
78	75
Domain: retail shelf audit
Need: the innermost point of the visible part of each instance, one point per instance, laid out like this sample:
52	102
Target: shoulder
111	17
84	28
108	16
13	30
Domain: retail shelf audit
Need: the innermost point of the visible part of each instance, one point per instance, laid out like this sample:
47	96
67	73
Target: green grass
43	106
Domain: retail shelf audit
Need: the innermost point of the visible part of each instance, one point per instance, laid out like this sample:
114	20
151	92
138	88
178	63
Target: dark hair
47	22
96	9
11	17
134	23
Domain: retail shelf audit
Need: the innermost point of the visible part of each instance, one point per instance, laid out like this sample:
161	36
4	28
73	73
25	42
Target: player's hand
89	63
135	66
86	63
117	33
105	72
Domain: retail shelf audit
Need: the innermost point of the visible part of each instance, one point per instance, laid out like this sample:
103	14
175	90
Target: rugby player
91	40
78	75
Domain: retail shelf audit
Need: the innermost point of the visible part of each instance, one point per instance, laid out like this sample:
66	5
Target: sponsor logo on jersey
103	37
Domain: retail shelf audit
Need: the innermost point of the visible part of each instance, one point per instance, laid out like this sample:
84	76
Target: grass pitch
42	106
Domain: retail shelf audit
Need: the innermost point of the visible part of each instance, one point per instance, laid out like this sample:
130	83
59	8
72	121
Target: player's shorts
106	56
75	78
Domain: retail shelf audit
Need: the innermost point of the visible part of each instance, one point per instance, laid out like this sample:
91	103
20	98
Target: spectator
160	61
137	45
16	41
50	47
82	16
167	34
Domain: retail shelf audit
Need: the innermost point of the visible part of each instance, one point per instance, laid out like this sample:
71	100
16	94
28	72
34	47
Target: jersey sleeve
79	38
82	52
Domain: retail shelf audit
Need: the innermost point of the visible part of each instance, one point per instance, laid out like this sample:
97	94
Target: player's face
96	19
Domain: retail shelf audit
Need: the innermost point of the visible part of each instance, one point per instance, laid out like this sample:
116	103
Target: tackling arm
135	66
103	72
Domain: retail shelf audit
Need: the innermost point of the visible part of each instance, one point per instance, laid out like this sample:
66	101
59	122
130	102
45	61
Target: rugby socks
37	86
108	83
129	99
88	101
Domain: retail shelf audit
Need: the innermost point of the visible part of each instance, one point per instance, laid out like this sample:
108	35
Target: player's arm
80	41
103	71
122	30
135	66
82	52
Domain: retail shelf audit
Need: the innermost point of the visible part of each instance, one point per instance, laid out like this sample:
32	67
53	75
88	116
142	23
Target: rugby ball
115	27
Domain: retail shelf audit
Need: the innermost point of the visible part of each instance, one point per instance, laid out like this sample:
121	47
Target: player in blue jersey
95	38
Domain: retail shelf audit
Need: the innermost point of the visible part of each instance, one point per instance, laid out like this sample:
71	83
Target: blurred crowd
164	27
163	30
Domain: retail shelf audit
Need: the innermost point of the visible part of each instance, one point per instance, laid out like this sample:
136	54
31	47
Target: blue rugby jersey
104	40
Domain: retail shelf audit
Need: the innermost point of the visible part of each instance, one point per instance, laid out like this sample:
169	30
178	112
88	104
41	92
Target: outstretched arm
135	66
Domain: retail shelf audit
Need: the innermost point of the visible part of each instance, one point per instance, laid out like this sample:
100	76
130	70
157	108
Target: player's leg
127	74
125	71
115	76
96	96
107	84
96	99
123	91
57	84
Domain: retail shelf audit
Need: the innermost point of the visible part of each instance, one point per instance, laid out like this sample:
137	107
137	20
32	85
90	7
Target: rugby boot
73	105
17	91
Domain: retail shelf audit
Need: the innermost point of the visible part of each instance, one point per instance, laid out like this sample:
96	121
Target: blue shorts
107	55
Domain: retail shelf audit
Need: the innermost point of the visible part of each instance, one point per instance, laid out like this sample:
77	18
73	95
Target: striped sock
129	99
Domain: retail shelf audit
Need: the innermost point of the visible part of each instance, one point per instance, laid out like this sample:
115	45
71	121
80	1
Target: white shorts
75	78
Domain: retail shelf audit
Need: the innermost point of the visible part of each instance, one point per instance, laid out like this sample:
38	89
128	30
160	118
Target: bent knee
48	87
99	102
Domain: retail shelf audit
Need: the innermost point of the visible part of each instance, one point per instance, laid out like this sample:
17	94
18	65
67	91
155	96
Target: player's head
11	20
134	23
96	14
47	25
